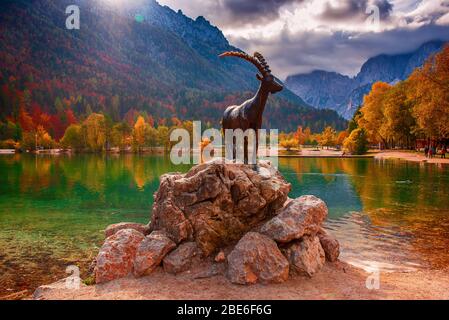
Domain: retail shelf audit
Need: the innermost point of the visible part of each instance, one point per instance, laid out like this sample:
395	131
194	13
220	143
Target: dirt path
335	281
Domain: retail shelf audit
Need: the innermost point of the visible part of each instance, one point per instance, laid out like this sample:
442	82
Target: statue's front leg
245	150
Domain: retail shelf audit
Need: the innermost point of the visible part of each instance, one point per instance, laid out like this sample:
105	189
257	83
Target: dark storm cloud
234	13
250	12
334	42
253	11
347	10
343	52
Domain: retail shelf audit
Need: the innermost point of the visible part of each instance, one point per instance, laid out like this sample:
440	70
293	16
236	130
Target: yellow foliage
289	143
328	137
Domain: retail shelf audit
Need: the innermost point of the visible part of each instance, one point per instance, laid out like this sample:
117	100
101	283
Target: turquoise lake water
392	215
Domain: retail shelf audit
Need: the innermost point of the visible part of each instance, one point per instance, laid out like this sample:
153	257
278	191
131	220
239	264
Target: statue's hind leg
234	149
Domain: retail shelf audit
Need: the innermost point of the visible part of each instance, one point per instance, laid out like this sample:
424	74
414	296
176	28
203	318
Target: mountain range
139	57
331	90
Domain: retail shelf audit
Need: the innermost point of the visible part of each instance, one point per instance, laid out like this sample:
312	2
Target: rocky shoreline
228	218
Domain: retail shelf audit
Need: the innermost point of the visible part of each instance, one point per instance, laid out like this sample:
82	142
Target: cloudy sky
299	36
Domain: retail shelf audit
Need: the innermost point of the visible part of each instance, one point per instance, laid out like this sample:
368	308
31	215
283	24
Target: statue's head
270	83
264	75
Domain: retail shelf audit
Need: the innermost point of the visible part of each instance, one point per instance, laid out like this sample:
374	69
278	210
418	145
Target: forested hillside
122	63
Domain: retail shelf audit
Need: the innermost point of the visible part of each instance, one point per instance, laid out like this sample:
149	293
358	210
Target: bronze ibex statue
248	115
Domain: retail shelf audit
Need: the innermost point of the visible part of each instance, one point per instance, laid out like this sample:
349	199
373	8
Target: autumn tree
139	133
429	88
357	142
289	143
341	137
372	113
121	135
39	138
94	132
302	135
399	121
328	137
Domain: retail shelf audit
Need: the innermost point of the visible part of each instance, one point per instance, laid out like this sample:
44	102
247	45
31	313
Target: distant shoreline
411	156
364	156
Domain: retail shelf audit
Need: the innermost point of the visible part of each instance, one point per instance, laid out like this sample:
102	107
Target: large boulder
114	228
299	217
216	203
182	258
116	257
257	258
330	245
306	256
151	251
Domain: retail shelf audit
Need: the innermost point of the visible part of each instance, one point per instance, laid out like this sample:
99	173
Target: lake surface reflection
388	214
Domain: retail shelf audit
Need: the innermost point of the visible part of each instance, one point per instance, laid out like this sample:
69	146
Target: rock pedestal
215	204
223	214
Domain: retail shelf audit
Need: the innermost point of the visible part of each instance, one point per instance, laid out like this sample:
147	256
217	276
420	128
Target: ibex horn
259	65
262	61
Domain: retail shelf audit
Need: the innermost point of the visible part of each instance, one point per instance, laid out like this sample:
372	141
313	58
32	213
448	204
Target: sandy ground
334	281
411	156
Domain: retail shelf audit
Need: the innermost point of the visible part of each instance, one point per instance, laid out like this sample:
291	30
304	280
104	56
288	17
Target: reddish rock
182	258
257	258
116	256
330	245
215	204
220	257
151	251
306	256
299	217
113	228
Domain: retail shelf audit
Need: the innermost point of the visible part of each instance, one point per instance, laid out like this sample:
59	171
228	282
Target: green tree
163	137
353	123
121	135
10	130
151	136
357	142
94	132
73	138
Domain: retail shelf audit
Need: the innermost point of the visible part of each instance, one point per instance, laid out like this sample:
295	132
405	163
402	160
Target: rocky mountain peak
323	89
